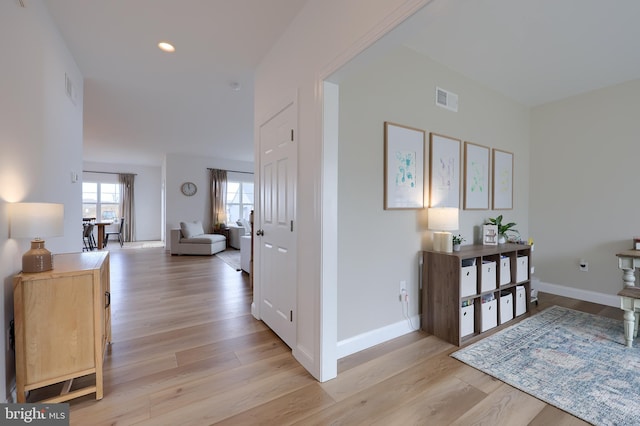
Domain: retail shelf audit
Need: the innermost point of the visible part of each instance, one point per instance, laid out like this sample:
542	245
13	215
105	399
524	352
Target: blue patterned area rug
575	361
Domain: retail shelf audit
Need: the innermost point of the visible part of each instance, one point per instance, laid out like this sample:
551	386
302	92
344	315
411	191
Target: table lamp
441	220
222	221
37	220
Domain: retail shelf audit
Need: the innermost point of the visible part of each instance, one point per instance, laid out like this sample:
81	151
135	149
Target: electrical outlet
403	290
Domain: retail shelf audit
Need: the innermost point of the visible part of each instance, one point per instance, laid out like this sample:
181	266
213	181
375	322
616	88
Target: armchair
236	232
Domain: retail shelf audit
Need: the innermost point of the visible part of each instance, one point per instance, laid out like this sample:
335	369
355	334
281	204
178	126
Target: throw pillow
247	226
191	229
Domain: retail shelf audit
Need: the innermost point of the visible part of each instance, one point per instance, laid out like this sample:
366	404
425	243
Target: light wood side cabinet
476	290
62	324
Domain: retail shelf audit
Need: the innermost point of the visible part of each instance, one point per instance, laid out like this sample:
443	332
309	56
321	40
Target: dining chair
118	233
87	237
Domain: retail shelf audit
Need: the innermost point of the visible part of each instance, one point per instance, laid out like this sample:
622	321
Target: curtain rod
232	171
109	173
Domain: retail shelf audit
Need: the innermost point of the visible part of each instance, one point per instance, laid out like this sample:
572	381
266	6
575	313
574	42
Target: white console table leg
628	261
629	326
629	277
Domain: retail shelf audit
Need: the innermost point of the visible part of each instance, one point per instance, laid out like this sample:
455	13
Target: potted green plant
457	240
502	228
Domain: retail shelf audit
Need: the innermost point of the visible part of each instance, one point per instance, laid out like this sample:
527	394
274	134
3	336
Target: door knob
259	232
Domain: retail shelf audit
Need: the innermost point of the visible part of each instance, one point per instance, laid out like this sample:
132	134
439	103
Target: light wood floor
186	351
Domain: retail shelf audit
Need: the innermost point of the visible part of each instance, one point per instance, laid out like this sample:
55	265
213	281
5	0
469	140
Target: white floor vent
446	99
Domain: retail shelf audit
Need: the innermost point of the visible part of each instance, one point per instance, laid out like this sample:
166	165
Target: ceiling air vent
446	99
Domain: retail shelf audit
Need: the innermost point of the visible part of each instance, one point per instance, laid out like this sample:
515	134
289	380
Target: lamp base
443	242
38	259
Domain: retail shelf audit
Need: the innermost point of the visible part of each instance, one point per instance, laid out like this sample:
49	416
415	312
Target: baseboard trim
374	337
306	360
371	338
576	293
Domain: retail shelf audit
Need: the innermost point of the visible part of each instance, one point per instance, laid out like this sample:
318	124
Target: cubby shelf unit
476	290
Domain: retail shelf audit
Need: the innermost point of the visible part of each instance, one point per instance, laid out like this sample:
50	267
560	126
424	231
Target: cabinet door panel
59	337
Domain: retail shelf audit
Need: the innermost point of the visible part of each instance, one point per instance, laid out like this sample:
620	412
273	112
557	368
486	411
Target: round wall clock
189	188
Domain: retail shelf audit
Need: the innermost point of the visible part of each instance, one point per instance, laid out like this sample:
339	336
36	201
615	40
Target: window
101	200
239	200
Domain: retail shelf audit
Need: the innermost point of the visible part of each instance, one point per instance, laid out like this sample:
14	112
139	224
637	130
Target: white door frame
329	105
329	270
323	361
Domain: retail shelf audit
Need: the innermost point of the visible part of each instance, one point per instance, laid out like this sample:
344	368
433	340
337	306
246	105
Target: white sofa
190	239
236	232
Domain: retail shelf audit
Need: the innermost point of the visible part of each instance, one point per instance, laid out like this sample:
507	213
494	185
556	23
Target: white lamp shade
443	218
36	220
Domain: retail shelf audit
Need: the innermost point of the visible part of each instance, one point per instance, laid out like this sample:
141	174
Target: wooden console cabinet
476	290
62	324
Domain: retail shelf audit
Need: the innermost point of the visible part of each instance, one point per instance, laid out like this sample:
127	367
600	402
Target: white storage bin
506	307
488	276
468	262
467	320
489	315
468	281
522	268
521	300
505	270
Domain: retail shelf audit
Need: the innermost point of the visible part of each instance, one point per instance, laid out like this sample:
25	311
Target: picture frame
444	171
476	176
502	180
490	235
403	167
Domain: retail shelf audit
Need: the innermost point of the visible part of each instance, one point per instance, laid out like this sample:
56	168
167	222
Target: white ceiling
533	51
140	103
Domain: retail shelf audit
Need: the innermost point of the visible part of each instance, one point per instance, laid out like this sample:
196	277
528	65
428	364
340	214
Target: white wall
378	248
148	196
308	53
180	168
584	188
305	54
41	141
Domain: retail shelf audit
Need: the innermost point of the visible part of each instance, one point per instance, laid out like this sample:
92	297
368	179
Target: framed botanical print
476	177
444	171
403	167
502	180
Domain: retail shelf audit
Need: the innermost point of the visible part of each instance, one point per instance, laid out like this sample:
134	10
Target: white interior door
276	234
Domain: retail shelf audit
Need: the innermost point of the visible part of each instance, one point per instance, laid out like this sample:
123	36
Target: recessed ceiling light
235	86
167	47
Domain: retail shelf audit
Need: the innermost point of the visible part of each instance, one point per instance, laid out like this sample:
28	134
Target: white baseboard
306	360
374	337
254	311
576	293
